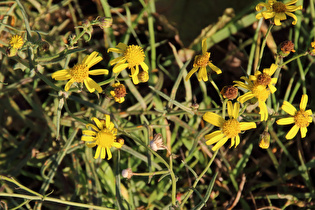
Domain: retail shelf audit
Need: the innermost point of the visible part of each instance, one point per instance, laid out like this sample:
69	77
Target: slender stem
198	179
151	173
263	45
292	59
173	181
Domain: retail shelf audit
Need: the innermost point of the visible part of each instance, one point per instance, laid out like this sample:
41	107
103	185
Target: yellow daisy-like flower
103	135
201	62
119	92
80	73
16	42
278	10
230	129
255	91
132	57
301	118
264	78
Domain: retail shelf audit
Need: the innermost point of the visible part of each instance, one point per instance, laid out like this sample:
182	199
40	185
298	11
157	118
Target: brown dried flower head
230	92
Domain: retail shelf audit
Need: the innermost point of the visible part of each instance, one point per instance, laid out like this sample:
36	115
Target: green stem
292	59
173	181
263	45
151	173
198	179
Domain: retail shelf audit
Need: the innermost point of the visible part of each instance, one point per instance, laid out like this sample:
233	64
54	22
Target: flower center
231	128
202	60
263	79
105	138
79	72
260	92
120	91
134	55
279	7
301	119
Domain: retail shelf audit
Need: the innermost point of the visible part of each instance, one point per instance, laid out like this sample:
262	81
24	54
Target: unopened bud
230	92
11	52
311	50
264	140
143	76
105	22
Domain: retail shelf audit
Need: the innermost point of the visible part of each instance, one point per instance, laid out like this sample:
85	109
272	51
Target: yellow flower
265	78
260	92
230	129
16	42
132	57
278	10
119	92
301	118
201	62
313	46
103	135
80	73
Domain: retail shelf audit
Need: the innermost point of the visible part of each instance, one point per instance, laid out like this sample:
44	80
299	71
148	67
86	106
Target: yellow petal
88	58
230	109
98	123
68	85
236	110
232	142
117	145
303	131
213	134
263	111
292	133
61	75
89	132
268	15
237	140
272	88
103	153
293	16
87	138
247	96
109	154
92	126
91	85
214	119
191	73
220	144
303	102
98	72
94	61
119	67
107	121
97	153
247	125
214	68
285	121
144	66
215	139
272	69
260	6
90	145
202	74
120	59
288	108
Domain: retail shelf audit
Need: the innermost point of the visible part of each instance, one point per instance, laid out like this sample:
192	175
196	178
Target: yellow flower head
258	91
278	10
119	92
264	78
16	42
201	62
301	118
132	56
103	135
229	129
80	73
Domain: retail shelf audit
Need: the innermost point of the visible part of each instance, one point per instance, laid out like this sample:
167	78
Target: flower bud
143	76
118	92
312	49
105	22
230	92
264	140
